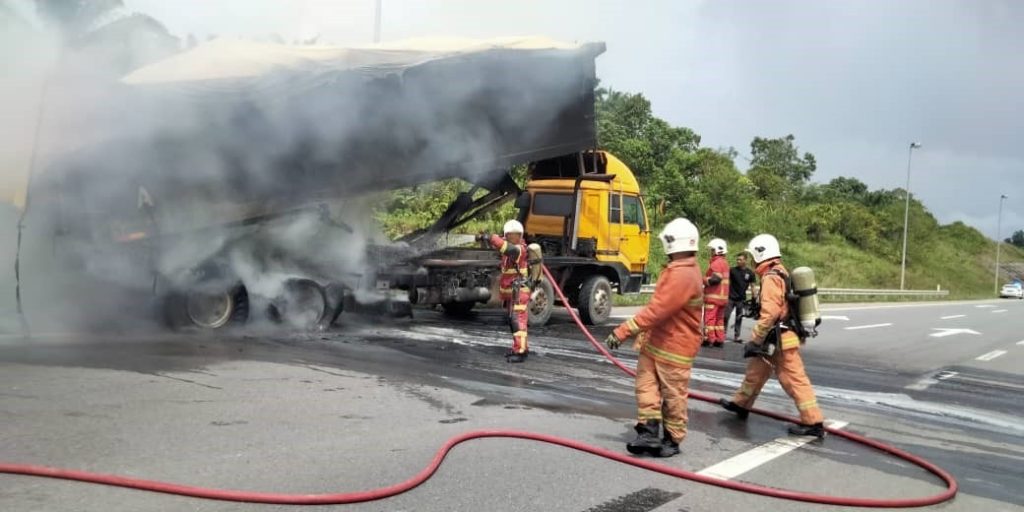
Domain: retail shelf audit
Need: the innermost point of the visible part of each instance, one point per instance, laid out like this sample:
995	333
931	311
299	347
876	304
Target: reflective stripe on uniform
695	303
810	404
504	247
790	340
668	356
519	307
675	424
648	415
515	272
633	327
745	390
715	296
510	290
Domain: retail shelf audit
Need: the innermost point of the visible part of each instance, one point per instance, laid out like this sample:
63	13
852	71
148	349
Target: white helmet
718	247
513	226
680	235
764	247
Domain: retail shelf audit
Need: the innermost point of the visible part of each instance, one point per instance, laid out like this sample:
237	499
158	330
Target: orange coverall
514	265
669	329
716	297
788	365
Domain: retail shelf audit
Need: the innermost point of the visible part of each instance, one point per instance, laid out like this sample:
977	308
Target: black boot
646	438
668	446
731	406
516	357
816	430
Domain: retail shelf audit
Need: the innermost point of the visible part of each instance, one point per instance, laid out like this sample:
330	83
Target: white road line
835	317
990	356
984	306
1000	311
950	317
872	326
735	466
1021	342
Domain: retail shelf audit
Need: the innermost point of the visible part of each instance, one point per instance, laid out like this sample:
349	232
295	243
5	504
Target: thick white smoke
185	170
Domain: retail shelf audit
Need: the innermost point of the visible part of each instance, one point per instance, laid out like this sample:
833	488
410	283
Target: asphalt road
366	405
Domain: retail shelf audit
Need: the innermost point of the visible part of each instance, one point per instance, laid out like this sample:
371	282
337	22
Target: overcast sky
855	82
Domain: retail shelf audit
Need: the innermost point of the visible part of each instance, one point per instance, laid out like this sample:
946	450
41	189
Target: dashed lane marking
985	306
950	317
872	326
735	466
999	311
990	356
1021	342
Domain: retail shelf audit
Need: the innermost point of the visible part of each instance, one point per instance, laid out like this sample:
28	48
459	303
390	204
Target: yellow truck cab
587	213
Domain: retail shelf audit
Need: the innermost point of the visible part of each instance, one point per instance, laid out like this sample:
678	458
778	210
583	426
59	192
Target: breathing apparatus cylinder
805	287
535	259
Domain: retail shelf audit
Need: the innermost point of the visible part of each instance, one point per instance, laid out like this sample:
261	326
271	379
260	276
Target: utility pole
999	240
906	217
376	23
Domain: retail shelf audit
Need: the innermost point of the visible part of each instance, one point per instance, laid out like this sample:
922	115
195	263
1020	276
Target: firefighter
716	294
513	287
668	339
775	345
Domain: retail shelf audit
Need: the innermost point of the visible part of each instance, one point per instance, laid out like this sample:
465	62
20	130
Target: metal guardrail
857	292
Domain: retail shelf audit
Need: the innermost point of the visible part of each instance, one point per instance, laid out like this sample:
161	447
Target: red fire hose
435	463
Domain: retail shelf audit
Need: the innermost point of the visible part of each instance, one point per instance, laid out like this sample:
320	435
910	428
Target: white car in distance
1012	291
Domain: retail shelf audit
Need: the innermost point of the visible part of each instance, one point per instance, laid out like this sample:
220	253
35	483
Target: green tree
1017	238
777	169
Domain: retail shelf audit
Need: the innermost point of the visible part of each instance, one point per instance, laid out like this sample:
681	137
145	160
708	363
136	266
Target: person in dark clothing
740	278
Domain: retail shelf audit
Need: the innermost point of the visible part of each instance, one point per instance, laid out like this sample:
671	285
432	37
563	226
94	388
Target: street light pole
999	240
906	217
376	23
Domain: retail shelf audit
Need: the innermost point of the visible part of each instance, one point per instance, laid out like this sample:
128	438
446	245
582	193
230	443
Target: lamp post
999	240
376	22
906	216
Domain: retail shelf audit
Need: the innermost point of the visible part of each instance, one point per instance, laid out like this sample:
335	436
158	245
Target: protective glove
612	342
483	237
751	349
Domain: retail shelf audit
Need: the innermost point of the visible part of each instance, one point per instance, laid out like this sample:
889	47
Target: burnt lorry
223	181
586	212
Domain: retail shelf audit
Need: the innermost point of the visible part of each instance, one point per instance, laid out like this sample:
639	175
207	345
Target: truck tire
542	305
595	300
206	310
302	304
457	309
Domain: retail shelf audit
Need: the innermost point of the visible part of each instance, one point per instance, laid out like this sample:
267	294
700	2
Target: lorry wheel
595	300
302	304
457	309
542	304
207	310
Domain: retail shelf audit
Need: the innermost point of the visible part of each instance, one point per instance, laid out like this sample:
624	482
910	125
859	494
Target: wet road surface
366	405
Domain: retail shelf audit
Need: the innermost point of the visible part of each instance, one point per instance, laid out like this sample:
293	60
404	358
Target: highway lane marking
872	326
950	317
990	356
835	317
737	465
934	304
1021	342
1000	311
943	332
985	306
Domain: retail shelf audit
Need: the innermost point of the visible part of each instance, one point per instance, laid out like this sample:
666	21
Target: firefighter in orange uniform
668	339
513	286
716	294
775	345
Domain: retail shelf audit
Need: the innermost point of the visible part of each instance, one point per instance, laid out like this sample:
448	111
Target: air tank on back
806	288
